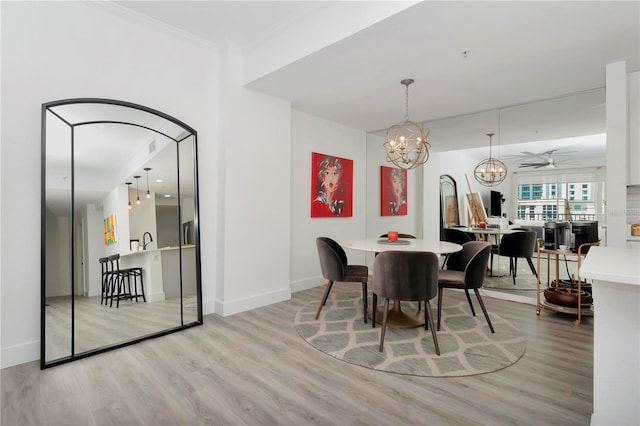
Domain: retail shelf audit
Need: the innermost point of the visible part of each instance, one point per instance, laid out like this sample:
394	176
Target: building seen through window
556	201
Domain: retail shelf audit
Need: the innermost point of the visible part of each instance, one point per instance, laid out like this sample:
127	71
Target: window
550	212
571	197
537	192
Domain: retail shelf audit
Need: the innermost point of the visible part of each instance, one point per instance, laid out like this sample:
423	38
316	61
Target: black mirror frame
442	206
190	132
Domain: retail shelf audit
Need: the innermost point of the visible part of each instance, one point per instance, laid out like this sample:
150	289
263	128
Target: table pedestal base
397	318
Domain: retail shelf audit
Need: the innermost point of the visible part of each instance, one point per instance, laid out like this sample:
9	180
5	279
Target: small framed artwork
393	191
331	186
110	229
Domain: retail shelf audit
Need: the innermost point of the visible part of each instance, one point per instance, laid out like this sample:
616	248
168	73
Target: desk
396	317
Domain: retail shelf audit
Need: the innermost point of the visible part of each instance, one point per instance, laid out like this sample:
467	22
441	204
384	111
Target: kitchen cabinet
616	334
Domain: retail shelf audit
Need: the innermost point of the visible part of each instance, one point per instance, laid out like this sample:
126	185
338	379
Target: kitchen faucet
144	236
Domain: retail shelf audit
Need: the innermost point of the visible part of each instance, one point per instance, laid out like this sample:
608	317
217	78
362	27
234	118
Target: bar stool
118	276
106	279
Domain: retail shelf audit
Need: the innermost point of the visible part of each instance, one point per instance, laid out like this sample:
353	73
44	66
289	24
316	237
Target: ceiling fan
547	159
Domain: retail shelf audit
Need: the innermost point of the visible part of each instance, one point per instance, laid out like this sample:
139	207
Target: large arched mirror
449	214
120	240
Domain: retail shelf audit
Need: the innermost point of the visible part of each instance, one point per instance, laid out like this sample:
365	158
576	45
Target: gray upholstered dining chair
519	244
456	236
475	257
405	276
335	267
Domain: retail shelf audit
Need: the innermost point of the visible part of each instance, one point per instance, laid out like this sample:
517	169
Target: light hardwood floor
253	369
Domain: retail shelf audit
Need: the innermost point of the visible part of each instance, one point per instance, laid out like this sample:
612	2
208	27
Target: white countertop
620	265
157	250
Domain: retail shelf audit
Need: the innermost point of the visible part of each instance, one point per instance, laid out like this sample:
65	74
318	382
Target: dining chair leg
491	268
429	315
466	291
384	323
365	302
533	269
515	269
374	310
484	310
324	297
440	291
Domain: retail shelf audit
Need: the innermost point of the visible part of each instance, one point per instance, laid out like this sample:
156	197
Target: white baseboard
19	354
241	305
154	297
510	297
306	284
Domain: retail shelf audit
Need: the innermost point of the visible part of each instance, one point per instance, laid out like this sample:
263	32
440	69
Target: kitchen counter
161	269
616	334
167	248
612	264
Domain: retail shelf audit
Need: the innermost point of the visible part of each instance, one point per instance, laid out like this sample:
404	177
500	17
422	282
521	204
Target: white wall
311	134
255	133
617	150
58	50
92	224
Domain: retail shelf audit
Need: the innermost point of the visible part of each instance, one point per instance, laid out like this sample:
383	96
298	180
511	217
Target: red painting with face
393	191
331	186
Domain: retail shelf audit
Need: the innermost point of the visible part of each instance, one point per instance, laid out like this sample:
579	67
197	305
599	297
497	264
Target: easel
475	206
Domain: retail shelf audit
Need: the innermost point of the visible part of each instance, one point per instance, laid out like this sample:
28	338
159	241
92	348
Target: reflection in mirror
57	248
449	215
121	227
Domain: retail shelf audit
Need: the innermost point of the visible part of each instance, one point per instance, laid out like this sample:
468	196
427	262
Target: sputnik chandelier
490	171
406	142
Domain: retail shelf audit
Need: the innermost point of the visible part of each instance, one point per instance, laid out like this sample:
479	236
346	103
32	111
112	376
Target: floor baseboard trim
20	354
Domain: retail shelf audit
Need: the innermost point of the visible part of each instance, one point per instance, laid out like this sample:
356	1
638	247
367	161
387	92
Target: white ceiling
518	53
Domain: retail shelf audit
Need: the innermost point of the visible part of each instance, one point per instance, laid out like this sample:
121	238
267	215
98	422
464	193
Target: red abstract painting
393	191
331	186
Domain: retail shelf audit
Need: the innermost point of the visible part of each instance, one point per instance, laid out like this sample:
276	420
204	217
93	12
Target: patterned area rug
467	346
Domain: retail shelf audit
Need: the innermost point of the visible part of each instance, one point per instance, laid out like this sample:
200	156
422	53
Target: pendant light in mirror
137	178
128	194
146	169
406	142
490	171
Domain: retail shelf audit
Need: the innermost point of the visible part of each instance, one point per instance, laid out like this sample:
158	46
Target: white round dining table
404	244
396	317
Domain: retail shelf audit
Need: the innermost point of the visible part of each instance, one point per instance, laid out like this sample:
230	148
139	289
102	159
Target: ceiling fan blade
533	164
564	153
